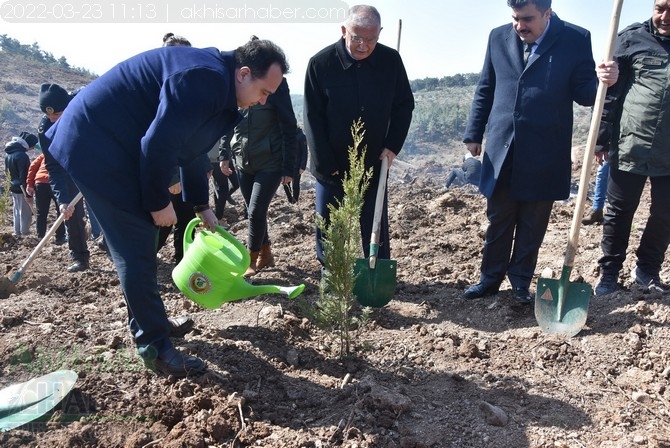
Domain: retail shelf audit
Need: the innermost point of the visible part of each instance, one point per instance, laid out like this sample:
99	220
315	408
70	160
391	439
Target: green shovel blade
564	315
375	287
24	402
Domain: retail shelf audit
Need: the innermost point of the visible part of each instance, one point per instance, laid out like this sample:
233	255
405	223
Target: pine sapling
341	239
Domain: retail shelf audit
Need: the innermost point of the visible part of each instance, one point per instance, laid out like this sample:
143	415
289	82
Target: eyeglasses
359	40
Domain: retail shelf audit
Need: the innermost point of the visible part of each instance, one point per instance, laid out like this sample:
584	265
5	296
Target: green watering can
213	267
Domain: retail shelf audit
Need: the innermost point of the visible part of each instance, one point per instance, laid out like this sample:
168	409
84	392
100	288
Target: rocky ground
429	369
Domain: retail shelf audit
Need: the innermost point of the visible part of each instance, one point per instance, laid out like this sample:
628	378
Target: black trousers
624	190
514	236
221	185
44	196
185	214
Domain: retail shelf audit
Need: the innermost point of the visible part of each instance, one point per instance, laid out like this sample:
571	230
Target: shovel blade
562	315
24	402
375	287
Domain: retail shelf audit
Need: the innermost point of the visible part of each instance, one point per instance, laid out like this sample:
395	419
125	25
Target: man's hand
175	189
165	217
66	211
285	180
474	148
608	72
602	157
388	154
208	219
225	167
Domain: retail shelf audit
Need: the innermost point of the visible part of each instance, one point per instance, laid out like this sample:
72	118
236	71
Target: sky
438	37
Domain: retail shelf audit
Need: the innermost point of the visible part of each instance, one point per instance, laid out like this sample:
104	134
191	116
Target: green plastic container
211	272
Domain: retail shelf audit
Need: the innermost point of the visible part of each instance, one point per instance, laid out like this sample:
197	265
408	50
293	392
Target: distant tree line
34	52
458	80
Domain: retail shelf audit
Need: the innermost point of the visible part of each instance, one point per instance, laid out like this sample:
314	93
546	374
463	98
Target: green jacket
635	128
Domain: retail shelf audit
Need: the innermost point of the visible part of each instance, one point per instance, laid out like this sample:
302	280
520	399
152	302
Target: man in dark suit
534	69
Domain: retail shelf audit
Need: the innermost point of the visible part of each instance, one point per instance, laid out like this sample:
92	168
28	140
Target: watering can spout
213	266
242	290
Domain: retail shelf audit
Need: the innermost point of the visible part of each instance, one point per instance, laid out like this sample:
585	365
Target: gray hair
364	16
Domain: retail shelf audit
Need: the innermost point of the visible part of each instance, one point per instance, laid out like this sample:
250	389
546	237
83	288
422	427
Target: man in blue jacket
132	127
534	69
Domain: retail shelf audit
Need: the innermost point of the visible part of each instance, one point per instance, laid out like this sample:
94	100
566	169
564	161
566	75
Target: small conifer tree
341	240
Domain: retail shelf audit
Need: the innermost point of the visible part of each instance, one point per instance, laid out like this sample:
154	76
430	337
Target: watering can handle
188	238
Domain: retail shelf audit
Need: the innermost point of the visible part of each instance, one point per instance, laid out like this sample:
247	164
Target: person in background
183	209
469	173
227	167
53	101
171	106
17	164
264	147
599	195
40	188
356	77
634	139
220	181
293	190
535	68
173	40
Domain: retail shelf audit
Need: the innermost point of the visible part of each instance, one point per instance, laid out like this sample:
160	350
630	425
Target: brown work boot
265	257
593	217
251	270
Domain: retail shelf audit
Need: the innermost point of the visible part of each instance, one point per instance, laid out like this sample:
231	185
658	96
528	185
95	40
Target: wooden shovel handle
379	205
26	264
573	241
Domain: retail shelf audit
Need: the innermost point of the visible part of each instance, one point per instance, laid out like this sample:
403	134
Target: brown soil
429	370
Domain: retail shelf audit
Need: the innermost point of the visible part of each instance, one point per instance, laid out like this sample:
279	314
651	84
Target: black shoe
480	290
522	296
60	241
651	282
179	326
172	362
78	266
231	201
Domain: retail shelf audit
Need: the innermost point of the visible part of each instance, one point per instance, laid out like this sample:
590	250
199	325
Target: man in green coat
635	138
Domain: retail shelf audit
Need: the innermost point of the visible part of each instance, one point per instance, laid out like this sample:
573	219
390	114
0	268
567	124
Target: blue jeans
258	189
327	193
600	190
457	174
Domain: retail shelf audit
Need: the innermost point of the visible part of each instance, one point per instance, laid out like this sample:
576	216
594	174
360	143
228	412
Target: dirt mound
429	370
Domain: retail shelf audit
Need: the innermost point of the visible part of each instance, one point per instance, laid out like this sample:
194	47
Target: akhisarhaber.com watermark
254	12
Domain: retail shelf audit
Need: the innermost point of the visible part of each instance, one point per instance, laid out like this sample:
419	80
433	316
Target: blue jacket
531	107
125	133
17	163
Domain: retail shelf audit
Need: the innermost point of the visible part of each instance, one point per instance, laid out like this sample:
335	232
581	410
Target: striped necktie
527	51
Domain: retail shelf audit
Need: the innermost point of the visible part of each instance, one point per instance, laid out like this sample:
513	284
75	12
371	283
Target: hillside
22	76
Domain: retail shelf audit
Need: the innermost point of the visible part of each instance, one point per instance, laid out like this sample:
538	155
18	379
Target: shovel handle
379	205
598	107
61	217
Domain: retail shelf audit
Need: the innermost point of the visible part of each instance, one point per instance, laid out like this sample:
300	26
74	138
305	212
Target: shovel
24	402
6	284
376	278
561	306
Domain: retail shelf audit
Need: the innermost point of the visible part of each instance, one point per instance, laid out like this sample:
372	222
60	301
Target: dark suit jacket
531	107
